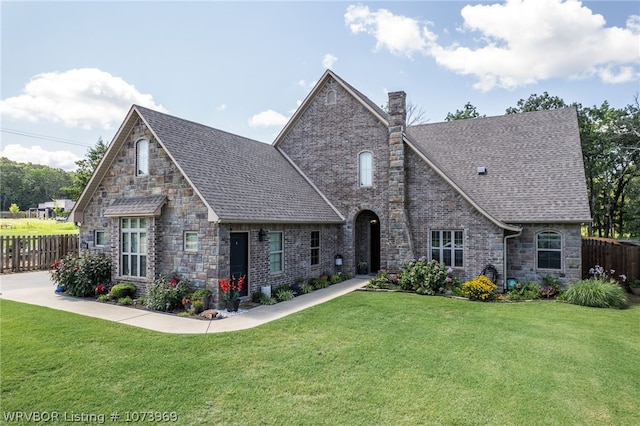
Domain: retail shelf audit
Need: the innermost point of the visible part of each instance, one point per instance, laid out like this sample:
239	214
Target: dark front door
239	258
375	246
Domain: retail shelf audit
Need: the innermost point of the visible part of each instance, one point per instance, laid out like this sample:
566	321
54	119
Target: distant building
46	210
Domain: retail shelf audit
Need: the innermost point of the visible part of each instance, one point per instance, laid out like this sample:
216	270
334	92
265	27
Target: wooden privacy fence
621	256
34	253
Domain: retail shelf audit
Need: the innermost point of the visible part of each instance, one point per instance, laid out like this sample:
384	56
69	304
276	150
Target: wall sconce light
262	234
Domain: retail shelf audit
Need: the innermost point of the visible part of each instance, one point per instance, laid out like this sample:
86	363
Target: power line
43	137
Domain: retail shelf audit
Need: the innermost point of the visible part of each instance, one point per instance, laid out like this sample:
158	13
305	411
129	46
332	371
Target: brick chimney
400	247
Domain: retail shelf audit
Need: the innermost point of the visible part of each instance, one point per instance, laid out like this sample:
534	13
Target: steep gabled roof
328	74
533	161
238	179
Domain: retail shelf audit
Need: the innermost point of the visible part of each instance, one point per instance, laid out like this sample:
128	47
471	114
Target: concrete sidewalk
35	288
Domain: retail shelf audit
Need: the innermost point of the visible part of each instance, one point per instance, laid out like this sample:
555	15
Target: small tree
14	209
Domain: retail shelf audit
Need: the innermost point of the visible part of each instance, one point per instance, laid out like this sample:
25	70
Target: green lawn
366	358
27	227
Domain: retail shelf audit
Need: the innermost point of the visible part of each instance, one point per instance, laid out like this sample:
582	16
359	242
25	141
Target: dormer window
365	160
331	97
142	157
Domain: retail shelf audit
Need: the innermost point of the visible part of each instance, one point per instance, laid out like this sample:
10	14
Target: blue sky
71	70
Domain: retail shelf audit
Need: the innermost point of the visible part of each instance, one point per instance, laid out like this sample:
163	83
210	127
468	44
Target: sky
70	71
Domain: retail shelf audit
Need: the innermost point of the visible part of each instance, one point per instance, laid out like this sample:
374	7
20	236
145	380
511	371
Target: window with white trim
190	241
100	238
276	246
133	248
365	166
447	247
315	248
142	157
549	250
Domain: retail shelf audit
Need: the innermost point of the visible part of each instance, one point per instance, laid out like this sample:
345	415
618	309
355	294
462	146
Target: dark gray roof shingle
241	179
534	163
135	206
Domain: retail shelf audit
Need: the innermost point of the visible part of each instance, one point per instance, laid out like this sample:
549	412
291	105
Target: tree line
610	139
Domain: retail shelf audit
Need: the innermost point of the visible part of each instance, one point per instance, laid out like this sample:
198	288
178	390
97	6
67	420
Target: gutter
504	258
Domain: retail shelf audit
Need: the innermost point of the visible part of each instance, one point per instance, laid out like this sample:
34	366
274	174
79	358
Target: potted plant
635	287
231	288
203	295
363	268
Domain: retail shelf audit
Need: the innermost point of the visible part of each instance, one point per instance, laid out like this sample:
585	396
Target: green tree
468	111
85	170
537	103
14	209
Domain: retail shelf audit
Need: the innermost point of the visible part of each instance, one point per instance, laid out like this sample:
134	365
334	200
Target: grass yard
27	227
366	358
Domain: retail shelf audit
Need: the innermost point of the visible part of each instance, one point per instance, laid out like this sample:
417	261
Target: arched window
549	250
366	168
142	157
331	97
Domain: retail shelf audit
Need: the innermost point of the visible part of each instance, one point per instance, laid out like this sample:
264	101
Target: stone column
399	246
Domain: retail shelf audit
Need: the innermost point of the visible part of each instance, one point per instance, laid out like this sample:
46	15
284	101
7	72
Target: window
133	247
549	250
142	157
331	97
191	241
366	168
275	252
315	248
447	247
99	238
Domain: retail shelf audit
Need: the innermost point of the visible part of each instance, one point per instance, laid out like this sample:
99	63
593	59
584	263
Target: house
48	209
342	179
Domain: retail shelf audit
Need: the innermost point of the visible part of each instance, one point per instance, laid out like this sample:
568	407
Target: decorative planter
363	270
233	305
635	290
266	290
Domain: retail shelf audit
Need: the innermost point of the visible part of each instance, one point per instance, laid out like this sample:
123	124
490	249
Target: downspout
504	259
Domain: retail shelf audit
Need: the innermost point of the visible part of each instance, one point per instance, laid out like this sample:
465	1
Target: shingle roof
533	161
136	206
241	179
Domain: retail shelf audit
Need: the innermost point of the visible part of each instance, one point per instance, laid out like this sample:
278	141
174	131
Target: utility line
44	137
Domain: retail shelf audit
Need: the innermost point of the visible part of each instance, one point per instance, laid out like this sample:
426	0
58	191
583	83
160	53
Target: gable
533	161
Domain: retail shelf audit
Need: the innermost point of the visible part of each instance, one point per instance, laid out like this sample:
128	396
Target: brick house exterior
342	178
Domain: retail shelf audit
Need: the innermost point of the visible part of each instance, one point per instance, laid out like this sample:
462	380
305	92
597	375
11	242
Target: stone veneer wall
297	252
521	261
325	144
434	205
183	211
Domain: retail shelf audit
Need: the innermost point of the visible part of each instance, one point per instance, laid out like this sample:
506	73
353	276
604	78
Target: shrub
284	294
380	281
597	293
125	301
480	288
306	288
201	292
426	277
319	283
334	279
264	299
80	276
123	290
524	291
345	276
103	298
167	292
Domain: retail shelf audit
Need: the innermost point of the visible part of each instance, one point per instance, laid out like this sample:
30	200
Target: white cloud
329	60
268	118
86	98
520	42
398	34
222	107
37	155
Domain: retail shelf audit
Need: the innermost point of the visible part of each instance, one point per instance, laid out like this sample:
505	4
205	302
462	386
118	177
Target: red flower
173	282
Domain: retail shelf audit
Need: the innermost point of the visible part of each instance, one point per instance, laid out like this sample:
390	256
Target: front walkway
35	288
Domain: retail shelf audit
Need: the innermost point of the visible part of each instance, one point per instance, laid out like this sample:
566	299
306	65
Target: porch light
262	234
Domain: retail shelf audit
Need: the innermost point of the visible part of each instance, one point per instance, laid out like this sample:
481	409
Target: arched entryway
367	244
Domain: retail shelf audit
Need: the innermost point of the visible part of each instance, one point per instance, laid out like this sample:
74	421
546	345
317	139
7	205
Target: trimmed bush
426	277
123	290
480	288
596	293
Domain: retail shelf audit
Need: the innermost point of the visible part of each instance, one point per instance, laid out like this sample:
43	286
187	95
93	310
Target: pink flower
173	282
